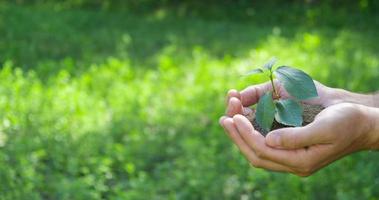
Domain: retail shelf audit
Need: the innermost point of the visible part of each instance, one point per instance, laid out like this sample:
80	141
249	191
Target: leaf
265	112
254	71
289	112
297	83
270	63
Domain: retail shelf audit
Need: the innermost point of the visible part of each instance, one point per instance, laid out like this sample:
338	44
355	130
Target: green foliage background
122	102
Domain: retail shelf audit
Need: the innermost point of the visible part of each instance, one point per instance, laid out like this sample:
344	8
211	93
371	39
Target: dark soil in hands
309	114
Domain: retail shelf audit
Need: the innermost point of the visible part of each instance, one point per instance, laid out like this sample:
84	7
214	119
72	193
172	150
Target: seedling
299	86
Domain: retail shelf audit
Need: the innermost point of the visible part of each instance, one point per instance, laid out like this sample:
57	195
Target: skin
349	123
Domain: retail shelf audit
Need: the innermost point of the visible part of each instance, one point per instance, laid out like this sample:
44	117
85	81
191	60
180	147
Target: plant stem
273	86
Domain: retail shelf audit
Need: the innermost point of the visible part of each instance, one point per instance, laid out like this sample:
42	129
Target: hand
337	131
239	102
326	97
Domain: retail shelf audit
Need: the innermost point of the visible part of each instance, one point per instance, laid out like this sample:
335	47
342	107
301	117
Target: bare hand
338	130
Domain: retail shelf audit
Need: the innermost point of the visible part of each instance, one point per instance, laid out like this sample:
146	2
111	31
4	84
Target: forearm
372	116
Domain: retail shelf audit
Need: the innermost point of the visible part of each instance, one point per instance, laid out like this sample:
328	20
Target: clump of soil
309	114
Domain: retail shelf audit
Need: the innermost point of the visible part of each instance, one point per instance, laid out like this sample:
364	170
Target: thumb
294	138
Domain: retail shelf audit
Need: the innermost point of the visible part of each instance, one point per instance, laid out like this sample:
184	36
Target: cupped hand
338	130
239	102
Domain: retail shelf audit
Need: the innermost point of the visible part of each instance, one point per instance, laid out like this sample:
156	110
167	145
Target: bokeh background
112	99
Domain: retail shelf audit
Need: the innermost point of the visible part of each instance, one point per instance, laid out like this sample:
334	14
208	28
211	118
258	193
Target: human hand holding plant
340	129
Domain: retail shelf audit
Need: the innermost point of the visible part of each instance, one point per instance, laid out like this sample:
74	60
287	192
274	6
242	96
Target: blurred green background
120	99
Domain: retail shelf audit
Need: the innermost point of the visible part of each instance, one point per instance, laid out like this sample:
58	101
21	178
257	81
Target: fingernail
221	120
273	139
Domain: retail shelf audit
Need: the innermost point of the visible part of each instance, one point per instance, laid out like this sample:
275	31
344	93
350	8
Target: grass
102	105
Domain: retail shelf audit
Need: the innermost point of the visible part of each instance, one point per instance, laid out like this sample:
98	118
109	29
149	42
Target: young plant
299	86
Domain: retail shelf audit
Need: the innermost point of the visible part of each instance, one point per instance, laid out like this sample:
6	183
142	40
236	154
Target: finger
249	113
252	137
301	161
233	133
221	120
257	143
234	107
299	137
251	94
232	93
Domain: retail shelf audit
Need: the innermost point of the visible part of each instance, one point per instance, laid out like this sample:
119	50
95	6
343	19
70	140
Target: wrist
372	128
375	99
344	96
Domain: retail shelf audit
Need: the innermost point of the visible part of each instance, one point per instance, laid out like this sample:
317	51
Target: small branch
276	95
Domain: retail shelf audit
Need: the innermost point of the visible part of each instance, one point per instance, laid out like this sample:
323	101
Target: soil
309	114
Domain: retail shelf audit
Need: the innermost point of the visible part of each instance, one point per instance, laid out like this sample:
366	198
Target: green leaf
297	83
288	112
270	63
265	111
254	71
